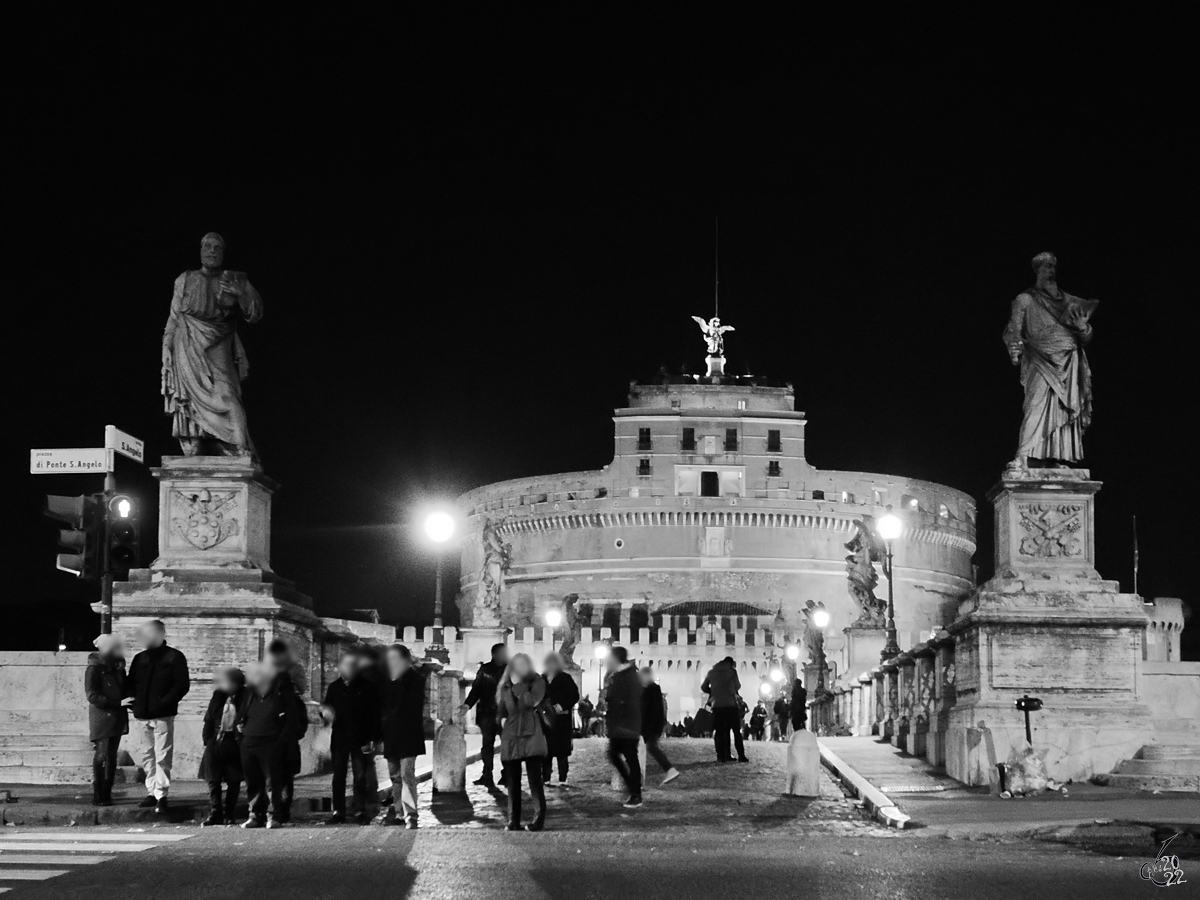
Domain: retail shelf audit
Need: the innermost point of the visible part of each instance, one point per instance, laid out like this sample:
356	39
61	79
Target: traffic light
84	519
124	533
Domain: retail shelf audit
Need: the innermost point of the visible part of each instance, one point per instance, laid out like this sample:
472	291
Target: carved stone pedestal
213	586
478	643
1049	626
864	643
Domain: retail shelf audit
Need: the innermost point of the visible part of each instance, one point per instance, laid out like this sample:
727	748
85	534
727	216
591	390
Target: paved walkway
942	806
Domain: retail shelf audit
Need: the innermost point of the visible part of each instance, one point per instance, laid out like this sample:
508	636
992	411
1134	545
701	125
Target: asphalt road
488	864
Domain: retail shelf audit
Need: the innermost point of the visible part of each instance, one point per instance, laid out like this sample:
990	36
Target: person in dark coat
799	706
352	707
402	705
482	696
623	722
781	717
108	716
562	693
758	722
287	669
157	681
267	722
221	764
722	686
522	739
654	722
586	711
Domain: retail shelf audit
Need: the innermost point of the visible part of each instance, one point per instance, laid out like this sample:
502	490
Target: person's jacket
623	704
722	685
272	718
483	692
211	729
799	709
157	681
356	715
521	734
402	707
104	682
562	691
654	714
781	708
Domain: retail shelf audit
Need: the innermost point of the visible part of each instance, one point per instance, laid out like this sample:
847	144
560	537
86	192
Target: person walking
562	693
723	686
758	721
221	765
654	722
288	670
781	717
482	696
586	710
351	706
268	725
623	722
402	704
799	706
108	713
519	700
157	681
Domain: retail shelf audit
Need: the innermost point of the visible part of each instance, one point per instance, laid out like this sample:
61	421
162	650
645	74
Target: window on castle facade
774	445
644	442
773	469
731	440
688	442
643	467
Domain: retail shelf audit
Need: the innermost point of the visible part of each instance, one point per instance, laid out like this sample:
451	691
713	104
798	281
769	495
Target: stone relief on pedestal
203	522
1051	530
497	558
862	577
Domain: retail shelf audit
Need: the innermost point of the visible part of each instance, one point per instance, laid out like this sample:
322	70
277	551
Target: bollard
803	765
449	741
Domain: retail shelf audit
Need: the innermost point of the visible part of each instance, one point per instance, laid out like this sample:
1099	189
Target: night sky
469	235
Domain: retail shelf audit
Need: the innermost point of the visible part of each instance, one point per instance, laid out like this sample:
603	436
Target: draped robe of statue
1054	373
202	385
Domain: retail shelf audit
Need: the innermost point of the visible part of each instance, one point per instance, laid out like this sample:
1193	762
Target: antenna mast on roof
716	267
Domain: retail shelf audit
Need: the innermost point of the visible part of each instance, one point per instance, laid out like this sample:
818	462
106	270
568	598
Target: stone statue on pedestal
570	627
1045	336
203	360
861	575
714	334
496	560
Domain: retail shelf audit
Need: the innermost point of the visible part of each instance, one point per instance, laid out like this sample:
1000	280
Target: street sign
125	444
97	460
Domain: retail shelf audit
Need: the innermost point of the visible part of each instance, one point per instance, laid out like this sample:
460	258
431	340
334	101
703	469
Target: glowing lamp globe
439	527
764	689
890	526
793	652
553	618
601	651
777	675
820	618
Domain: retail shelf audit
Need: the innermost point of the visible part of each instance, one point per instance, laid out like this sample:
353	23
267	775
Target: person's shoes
214	818
743	759
534	826
387	816
336	819
254	822
161	808
512	826
672	774
484	781
564	784
410	824
275	823
148	802
361	818
105	801
634	802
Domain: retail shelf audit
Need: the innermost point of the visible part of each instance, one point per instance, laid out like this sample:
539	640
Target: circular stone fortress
710	523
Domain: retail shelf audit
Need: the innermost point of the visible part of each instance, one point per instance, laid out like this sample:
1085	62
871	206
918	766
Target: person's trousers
104	766
724	721
623	754
782	723
512	780
156	738
660	757
488	731
224	807
357	761
403	773
564	766
263	768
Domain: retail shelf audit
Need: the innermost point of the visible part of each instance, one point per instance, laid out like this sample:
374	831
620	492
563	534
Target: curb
876	801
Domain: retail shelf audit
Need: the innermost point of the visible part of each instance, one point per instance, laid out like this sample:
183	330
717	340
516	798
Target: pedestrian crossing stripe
40	855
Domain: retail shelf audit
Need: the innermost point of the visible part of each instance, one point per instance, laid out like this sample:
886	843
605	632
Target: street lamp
793	652
889	528
439	528
553	619
818	619
602	651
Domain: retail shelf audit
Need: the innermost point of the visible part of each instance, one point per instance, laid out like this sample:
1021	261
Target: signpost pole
106	579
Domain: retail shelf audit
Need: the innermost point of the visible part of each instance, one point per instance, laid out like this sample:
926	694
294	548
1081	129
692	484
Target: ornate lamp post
439	528
889	528
553	620
602	651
